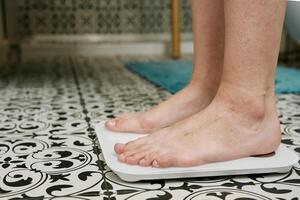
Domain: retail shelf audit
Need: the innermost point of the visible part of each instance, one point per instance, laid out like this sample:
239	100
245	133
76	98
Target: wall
3	44
1	23
96	16
119	18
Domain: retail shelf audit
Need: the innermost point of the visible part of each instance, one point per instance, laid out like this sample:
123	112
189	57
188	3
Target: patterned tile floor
48	148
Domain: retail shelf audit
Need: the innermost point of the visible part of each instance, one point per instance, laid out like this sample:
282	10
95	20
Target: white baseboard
107	45
109	38
101	45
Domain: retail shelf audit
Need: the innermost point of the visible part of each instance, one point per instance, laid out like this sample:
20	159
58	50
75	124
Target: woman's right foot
186	102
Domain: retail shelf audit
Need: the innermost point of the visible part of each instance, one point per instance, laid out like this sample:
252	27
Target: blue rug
174	75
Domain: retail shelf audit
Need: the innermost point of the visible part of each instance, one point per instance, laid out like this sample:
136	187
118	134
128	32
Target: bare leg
208	25
242	119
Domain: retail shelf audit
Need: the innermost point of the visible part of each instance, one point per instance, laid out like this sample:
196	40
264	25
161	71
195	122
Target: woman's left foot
236	124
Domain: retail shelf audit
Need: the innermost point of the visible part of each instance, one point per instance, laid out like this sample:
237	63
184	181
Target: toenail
120	145
119	148
111	123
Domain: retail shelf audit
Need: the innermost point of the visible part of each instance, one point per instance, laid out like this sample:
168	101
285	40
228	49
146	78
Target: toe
132	145
163	161
119	148
124	156
135	158
118	124
138	143
110	124
155	164
132	122
137	151
121	157
147	160
144	162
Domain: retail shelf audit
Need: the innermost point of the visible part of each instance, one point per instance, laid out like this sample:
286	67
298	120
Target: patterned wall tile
97	16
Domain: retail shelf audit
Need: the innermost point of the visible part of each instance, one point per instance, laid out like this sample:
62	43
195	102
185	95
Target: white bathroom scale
279	162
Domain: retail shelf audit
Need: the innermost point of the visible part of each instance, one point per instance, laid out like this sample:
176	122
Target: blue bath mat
174	75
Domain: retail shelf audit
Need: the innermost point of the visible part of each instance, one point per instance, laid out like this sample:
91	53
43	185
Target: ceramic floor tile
253	192
36	97
289	113
48	166
48	146
47	149
268	191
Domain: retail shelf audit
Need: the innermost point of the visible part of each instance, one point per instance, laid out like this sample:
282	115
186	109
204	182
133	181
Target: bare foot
236	124
187	102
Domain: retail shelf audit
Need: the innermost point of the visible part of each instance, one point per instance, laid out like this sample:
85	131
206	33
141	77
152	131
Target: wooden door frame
175	29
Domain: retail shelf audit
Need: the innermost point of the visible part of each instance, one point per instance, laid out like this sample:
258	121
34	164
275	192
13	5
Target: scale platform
279	162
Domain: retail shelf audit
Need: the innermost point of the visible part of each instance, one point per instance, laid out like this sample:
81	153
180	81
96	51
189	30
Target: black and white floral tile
48	147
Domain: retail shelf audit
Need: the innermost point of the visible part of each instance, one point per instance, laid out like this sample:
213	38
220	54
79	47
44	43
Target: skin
208	62
241	119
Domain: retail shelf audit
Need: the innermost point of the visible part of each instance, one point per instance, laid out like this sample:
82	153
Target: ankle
203	88
253	105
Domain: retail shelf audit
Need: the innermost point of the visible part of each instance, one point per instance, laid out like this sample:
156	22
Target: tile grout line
87	119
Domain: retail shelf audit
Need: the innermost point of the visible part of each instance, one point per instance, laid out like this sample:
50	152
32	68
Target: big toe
128	123
119	148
